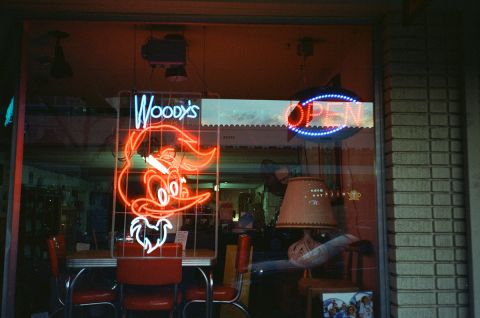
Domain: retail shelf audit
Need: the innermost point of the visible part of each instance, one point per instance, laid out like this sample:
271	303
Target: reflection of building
426	77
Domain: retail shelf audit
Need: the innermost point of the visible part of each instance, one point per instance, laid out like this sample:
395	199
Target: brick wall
424	166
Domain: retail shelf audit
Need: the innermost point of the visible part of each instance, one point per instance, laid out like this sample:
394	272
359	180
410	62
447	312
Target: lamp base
298	250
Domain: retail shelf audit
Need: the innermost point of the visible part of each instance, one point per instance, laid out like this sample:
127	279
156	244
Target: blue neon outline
9	112
324	132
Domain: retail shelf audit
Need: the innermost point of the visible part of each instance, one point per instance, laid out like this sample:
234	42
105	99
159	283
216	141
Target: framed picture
348	305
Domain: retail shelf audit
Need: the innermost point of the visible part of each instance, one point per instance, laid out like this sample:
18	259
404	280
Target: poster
348	305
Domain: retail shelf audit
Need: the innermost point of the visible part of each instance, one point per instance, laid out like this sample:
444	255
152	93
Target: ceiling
226	11
233	61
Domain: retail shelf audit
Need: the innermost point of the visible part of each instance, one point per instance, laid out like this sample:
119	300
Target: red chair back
242	262
133	269
57	253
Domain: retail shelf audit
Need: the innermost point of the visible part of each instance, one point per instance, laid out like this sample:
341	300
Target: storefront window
256	129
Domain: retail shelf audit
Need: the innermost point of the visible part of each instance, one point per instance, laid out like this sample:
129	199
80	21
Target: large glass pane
289	110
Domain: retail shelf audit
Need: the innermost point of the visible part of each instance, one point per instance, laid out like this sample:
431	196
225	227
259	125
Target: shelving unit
40	217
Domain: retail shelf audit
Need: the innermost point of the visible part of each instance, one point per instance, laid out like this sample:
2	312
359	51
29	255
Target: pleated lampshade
306	204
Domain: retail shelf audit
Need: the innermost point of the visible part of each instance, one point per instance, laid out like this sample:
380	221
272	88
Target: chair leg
177	312
242	308
308	312
59	309
184	310
114	309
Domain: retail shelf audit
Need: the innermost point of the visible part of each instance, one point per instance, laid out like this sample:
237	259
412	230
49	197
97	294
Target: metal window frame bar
471	124
15	182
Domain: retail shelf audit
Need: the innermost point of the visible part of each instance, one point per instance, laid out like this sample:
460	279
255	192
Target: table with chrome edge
83	260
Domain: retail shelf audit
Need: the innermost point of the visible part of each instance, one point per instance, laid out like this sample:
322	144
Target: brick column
424	167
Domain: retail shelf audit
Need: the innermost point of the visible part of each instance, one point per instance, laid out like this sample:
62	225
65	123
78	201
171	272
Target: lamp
306	205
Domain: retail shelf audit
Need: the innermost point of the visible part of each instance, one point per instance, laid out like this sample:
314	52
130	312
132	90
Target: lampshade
306	204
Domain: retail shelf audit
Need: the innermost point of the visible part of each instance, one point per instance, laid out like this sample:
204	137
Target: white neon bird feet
141	223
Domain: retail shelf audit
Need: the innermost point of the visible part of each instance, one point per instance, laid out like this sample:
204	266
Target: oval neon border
324	132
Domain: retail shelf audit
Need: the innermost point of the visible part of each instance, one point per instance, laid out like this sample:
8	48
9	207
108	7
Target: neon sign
166	190
145	109
334	111
161	227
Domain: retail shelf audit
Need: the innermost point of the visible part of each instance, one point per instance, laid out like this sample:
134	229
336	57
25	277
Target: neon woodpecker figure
166	191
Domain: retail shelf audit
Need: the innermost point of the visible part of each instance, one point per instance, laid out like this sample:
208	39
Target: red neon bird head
166	191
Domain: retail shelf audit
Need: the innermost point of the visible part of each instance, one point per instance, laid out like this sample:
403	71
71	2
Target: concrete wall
424	166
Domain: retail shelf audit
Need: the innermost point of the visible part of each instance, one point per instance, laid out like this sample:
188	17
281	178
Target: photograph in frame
357	304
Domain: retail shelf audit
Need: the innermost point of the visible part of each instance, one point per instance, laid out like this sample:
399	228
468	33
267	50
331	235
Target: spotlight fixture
60	67
305	47
167	52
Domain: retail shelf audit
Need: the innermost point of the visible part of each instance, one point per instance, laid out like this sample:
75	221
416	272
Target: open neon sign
309	117
145	109
166	191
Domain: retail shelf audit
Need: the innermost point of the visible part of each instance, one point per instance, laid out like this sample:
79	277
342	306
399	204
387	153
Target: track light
60	67
176	73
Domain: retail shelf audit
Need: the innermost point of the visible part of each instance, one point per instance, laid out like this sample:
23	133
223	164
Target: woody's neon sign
145	109
166	191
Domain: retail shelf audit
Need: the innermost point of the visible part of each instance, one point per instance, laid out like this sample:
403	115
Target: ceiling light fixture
60	67
169	53
176	73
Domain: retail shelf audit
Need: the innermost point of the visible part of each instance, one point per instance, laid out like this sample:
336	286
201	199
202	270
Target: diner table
81	261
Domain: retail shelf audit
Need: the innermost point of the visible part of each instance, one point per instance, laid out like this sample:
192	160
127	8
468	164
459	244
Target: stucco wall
424	166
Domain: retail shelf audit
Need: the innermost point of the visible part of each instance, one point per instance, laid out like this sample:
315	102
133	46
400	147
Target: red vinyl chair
147	280
80	297
224	294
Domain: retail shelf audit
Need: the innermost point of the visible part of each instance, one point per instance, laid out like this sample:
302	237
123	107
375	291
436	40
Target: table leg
208	292
308	313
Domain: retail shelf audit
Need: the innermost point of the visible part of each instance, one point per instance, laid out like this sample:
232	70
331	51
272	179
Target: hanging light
60	67
176	73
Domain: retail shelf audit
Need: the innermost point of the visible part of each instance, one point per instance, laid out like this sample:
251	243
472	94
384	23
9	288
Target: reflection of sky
264	112
243	112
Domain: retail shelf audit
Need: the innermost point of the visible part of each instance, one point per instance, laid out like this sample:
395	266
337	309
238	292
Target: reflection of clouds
279	119
272	112
252	118
325	251
268	267
243	112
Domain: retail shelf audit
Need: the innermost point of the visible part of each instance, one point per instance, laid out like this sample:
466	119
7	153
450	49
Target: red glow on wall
166	191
